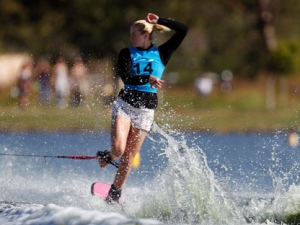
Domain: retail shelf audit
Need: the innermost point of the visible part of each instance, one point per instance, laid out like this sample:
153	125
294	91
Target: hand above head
155	82
152	18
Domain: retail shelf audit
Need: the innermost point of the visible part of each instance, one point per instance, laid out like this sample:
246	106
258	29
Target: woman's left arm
167	49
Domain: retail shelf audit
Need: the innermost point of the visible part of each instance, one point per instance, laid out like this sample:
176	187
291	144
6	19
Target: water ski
101	189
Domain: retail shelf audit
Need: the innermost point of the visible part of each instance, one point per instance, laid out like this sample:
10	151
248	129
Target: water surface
184	178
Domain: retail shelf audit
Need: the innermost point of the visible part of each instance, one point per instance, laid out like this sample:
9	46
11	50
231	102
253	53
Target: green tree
223	34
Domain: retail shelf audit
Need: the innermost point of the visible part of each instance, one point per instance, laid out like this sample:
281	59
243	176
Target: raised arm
167	49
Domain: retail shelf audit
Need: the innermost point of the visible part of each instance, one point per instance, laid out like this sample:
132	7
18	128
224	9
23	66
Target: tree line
244	36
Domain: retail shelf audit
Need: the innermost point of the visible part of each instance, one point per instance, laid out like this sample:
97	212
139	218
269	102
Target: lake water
184	178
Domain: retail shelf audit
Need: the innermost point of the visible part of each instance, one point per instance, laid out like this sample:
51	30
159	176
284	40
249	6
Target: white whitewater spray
187	191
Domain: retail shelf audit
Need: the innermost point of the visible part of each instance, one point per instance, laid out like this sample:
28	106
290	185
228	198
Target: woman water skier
141	68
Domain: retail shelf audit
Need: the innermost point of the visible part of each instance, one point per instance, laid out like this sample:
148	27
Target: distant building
10	66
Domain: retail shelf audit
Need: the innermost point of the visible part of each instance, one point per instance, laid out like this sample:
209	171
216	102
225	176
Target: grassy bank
244	111
239	111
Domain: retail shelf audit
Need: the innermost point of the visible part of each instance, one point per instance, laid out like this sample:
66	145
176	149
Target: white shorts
140	118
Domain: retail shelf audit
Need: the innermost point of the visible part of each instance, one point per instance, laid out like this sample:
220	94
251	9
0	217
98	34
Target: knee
117	151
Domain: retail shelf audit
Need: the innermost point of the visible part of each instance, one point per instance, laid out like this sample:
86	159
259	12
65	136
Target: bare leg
135	140
120	128
126	142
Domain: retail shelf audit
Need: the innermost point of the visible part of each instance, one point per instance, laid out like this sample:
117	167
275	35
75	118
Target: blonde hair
143	26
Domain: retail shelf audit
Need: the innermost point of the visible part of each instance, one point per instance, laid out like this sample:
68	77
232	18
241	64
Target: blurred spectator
62	86
226	79
43	76
204	83
80	83
24	85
